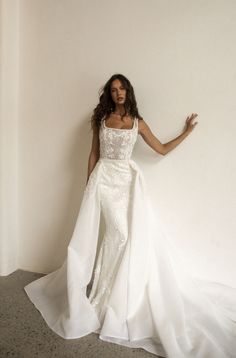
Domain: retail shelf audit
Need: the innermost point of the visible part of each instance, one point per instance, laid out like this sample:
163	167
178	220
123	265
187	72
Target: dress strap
103	121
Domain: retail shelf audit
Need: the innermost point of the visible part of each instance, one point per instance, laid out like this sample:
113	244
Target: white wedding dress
141	295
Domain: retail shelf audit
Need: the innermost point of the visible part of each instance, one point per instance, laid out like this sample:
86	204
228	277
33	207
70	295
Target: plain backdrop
180	58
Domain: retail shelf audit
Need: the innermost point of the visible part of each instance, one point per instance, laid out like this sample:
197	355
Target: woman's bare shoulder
95	129
142	126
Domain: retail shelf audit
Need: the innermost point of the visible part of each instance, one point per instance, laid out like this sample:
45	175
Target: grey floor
24	333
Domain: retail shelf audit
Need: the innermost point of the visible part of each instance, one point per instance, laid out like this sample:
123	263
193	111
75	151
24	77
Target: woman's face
118	92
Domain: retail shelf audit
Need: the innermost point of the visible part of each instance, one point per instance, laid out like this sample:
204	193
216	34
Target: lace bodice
117	143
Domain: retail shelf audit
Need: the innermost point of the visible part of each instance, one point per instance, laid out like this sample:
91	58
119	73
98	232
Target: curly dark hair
106	104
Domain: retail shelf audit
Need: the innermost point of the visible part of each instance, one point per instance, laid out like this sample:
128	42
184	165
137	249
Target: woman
115	101
141	295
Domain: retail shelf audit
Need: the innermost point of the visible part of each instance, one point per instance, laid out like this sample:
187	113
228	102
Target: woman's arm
164	148
94	153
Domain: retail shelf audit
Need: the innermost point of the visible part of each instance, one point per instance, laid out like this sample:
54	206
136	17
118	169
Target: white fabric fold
153	303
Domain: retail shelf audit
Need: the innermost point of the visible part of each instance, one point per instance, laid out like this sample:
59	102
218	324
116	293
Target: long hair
106	104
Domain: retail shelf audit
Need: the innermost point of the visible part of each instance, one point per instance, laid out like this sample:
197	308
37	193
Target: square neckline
120	129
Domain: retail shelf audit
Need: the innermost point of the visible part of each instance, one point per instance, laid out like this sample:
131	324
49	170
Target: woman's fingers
189	123
190	118
193	115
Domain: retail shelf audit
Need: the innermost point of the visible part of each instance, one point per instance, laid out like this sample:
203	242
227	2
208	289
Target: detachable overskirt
154	303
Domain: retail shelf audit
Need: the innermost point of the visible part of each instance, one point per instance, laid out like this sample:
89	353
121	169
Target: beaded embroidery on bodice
117	143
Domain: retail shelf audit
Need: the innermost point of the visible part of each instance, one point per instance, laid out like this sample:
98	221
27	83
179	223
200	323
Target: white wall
9	59
179	56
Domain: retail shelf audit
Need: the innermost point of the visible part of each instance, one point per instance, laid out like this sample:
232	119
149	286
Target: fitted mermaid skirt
141	294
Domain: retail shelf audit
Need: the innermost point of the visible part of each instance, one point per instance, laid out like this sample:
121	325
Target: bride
120	100
131	289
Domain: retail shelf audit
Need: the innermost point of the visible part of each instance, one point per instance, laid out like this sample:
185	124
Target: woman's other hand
189	123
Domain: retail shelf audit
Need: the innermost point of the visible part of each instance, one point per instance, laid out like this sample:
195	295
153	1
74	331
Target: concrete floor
24	333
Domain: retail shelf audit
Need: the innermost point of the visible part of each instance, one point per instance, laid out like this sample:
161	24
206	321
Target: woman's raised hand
189	123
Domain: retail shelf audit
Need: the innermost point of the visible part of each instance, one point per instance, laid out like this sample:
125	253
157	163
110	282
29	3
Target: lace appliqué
115	194
117	143
115	205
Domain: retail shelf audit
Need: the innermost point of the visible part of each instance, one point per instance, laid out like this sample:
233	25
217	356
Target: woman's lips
120	98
